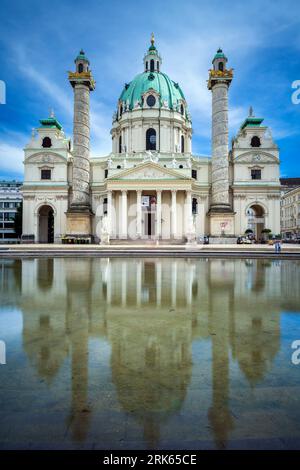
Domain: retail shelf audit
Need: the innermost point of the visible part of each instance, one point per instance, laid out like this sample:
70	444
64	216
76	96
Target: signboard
145	201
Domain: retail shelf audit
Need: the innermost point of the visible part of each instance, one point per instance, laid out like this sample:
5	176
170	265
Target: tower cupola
152	59
82	63
219	61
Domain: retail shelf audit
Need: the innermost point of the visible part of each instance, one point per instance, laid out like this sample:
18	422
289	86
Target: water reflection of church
151	312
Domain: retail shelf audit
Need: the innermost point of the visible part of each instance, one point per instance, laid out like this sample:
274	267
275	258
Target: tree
18	221
267	232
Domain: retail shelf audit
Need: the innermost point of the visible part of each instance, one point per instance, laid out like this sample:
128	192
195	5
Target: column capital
139	192
124	191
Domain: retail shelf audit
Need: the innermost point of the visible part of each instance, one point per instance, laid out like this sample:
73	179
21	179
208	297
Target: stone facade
151	186
290	214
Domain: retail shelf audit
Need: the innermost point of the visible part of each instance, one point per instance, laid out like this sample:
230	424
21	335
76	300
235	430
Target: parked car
291	240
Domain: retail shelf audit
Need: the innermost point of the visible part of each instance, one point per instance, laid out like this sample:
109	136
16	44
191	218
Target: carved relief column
79	213
220	164
221	213
174	214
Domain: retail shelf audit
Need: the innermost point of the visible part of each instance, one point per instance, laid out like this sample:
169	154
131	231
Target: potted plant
267	233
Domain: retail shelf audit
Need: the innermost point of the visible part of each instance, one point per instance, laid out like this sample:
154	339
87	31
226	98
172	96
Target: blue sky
39	41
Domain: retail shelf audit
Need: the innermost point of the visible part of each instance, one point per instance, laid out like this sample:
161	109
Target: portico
149	202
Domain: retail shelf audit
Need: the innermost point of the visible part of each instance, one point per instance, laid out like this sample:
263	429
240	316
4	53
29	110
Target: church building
151	186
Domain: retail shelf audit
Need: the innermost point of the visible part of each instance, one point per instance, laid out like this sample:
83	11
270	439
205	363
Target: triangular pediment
148	171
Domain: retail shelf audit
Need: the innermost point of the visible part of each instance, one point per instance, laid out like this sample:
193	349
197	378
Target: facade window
80	68
194	174
221	66
157	66
147	66
118	167
194	205
182	144
256	174
182	109
46	142
105	173
180	166
120	144
151	139
151	65
45	174
255	141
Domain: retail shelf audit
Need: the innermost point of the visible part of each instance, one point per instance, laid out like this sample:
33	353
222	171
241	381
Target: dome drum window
151	100
151	139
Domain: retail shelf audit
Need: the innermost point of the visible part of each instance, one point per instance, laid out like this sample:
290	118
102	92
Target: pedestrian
277	246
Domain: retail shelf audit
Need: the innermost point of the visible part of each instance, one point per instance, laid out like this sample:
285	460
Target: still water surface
149	353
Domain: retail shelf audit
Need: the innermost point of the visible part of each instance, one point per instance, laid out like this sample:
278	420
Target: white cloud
11	153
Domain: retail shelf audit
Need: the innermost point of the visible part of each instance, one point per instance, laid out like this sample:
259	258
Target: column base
79	223
221	224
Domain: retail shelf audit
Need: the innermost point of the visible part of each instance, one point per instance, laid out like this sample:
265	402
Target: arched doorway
256	220
46	224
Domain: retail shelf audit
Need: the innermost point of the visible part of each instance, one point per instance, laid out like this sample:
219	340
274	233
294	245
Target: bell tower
79	213
221	213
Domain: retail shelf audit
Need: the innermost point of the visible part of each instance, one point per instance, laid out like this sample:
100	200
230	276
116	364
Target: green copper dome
82	56
169	91
219	55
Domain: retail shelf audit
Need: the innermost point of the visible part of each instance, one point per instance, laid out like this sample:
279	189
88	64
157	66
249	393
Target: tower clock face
151	101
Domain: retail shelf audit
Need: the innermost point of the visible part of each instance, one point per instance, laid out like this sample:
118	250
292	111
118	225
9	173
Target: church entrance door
149	213
46	224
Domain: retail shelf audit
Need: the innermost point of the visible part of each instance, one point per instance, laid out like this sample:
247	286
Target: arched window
120	144
181	167
255	141
151	139
80	68
121	110
182	109
221	66
147	66
182	144
46	142
151	65
157	66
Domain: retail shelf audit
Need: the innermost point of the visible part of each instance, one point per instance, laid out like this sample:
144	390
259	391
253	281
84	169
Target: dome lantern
152	59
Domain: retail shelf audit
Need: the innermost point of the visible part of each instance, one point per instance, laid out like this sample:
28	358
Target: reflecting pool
149	353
